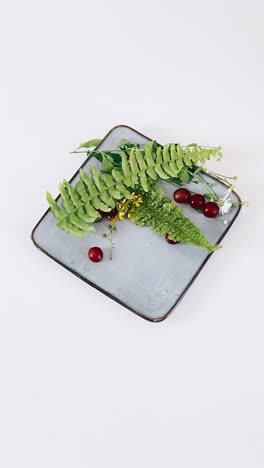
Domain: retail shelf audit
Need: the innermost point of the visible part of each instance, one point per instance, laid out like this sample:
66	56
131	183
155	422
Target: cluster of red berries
196	201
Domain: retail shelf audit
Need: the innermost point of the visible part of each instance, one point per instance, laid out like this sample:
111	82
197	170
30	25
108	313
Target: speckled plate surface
147	275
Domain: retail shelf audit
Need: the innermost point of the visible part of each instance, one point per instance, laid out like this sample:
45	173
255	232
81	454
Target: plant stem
222	177
203	181
209	187
202	146
111	243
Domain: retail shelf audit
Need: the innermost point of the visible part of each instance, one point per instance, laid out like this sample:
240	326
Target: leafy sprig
165	217
128	173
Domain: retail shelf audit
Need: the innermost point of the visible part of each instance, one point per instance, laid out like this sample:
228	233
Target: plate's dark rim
156	320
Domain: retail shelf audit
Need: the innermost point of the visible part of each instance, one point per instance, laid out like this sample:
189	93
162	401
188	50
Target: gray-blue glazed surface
146	274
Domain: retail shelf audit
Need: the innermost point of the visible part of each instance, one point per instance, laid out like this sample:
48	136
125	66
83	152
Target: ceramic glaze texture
147	275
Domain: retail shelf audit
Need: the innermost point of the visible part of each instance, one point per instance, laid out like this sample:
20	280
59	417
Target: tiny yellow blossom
129	214
113	220
125	208
137	200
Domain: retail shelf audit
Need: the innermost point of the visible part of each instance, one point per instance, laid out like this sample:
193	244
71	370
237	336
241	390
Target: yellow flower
113	220
125	208
137	200
129	214
246	204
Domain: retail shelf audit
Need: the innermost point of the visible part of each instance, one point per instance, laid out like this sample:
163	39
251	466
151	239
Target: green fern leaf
137	173
164	217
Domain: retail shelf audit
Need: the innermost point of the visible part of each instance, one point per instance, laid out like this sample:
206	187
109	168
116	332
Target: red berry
197	201
95	254
170	241
112	213
211	210
101	213
182	195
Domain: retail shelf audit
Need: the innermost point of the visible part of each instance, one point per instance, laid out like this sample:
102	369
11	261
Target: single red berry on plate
210	209
95	254
170	241
197	201
101	214
182	195
112	213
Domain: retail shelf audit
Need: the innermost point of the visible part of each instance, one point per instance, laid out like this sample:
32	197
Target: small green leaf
186	158
180	151
122	142
211	196
154	146
201	157
97	156
179	163
184	176
175	180
115	157
194	154
91	143
199	169
107	164
207	153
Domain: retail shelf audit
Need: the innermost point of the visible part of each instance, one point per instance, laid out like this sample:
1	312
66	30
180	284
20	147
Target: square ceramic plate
147	275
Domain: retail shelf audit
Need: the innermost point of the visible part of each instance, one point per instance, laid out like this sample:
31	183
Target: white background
84	382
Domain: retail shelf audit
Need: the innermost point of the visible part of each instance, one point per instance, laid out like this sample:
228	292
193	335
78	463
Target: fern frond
138	172
164	217
170	161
